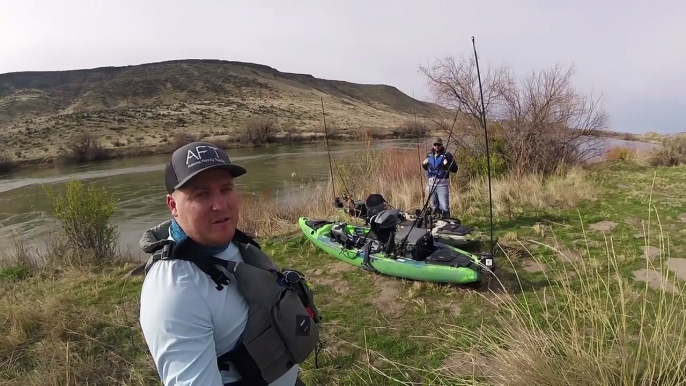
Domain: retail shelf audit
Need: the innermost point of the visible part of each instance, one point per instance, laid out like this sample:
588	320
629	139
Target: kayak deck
445	263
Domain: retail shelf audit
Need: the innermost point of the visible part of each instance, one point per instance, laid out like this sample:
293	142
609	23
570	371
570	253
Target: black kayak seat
316	224
375	203
458	230
449	257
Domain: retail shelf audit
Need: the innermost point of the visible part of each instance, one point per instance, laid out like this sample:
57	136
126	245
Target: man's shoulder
172	278
171	288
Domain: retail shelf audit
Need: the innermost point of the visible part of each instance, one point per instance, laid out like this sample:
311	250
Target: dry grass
83	330
598	329
67	320
78	325
672	152
601	330
533	192
263	216
397	175
628	154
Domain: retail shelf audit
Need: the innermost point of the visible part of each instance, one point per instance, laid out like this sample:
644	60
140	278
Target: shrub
6	163
478	166
411	129
289	130
474	163
85	213
621	154
258	130
181	139
672	152
83	148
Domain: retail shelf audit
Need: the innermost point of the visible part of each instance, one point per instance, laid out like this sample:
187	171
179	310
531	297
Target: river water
138	185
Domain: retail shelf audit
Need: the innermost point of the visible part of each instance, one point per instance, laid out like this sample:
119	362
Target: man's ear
171	204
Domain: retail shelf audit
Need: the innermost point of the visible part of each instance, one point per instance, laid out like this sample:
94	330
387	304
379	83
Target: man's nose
218	202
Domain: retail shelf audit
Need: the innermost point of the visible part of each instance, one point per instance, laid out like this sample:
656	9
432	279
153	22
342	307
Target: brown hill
148	104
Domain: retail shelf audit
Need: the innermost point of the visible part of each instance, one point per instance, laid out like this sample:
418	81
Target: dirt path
386	298
332	276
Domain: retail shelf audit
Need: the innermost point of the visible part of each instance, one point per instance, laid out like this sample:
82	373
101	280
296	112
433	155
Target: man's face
437	146
206	207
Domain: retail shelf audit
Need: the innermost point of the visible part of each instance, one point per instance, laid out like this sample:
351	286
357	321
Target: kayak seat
316	224
417	242
449	257
384	223
375	204
455	229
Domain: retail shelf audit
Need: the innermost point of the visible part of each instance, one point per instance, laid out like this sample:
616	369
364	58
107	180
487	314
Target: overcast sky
633	52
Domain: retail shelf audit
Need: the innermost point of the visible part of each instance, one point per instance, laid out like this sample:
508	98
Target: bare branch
543	121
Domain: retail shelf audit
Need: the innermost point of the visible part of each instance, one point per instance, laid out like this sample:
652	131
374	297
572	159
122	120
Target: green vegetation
85	213
587	289
567	307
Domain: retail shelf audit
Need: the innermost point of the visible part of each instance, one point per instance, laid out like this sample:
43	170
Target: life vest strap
241	358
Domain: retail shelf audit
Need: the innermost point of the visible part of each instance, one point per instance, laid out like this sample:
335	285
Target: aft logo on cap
194	158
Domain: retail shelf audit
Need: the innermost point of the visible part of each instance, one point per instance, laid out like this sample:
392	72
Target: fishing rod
488	157
345	185
326	139
419	154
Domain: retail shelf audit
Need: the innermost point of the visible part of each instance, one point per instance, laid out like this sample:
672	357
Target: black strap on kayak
366	262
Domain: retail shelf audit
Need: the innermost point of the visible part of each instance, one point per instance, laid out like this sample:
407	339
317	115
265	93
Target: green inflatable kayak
404	252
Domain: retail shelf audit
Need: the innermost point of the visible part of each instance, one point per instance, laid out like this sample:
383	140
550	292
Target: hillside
144	105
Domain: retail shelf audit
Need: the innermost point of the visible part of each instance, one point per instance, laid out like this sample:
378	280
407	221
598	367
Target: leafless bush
289	130
543	121
84	147
6	163
672	152
182	139
258	130
411	129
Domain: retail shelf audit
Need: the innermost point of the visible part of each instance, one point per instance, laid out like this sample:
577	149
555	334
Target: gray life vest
282	328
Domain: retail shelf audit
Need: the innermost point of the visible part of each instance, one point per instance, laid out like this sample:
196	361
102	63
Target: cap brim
234	170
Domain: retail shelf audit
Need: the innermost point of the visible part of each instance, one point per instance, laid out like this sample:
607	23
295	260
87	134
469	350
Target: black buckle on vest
167	250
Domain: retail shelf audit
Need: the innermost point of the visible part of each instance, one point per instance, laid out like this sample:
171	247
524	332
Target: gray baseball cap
189	160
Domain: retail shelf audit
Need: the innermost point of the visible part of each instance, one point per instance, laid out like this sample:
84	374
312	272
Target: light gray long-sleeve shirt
187	323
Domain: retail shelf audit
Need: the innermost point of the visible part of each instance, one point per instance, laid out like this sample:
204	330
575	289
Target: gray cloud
630	51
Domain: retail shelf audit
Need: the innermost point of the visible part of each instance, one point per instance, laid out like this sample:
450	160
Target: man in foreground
438	165
204	280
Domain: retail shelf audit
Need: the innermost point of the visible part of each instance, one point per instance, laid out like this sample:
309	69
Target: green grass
601	326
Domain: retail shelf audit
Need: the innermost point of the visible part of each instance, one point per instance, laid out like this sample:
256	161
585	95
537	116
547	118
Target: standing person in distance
438	165
209	292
